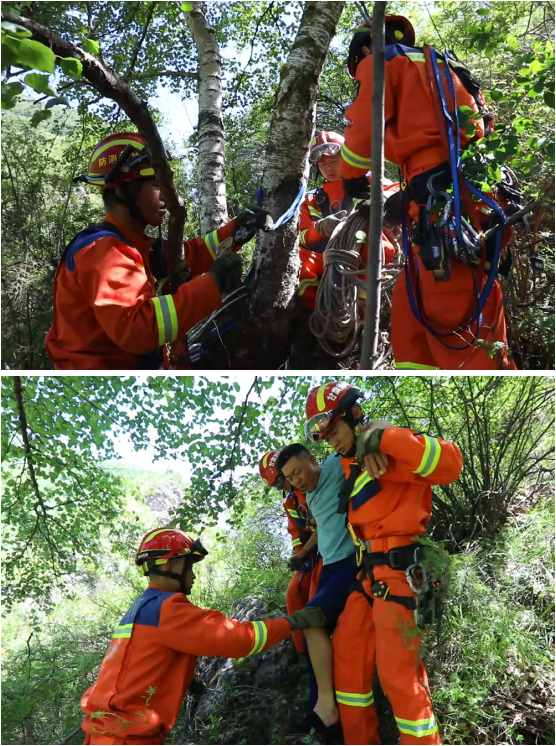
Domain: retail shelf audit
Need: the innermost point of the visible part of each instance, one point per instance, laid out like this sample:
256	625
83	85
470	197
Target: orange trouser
382	636
301	589
446	306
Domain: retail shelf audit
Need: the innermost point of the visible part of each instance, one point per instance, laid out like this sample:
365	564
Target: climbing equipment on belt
452	236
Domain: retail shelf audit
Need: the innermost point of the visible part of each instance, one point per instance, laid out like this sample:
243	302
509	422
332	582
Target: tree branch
167	73
111	86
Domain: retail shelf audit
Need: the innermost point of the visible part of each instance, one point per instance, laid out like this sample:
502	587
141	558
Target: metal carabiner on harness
359	545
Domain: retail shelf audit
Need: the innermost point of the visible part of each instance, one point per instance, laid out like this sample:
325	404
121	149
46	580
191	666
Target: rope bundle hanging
335	322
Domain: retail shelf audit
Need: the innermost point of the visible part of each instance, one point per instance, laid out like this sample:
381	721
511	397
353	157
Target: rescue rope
290	212
336	316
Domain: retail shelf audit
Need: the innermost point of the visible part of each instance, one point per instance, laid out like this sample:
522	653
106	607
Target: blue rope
290	212
455	165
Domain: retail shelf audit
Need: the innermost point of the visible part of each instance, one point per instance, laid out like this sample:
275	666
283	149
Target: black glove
368	442
309	617
296	562
359	188
226	270
249	221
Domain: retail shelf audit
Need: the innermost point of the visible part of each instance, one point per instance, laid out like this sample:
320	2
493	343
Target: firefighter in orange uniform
321	212
438	315
108	311
305	580
305	560
151	659
387	496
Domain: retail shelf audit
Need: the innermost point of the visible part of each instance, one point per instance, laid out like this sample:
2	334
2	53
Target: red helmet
162	544
117	158
267	467
397	29
325	145
325	404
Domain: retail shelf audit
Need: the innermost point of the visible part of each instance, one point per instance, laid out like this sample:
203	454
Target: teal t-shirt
335	542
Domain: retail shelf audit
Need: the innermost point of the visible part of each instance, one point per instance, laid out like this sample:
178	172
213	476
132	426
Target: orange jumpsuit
312	244
107	314
151	661
304	583
413	140
389	514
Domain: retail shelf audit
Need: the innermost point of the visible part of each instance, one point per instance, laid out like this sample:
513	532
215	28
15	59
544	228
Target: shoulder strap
323	202
347	488
86	237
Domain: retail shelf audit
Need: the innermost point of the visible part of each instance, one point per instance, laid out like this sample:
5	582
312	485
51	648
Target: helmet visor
198	549
316	427
321	151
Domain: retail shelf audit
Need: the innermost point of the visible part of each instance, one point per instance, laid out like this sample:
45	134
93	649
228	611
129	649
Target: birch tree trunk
269	330
213	211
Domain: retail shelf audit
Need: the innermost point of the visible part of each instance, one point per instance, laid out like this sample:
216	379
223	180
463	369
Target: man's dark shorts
334	588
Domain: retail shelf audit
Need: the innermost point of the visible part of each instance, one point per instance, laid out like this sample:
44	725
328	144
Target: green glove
368	442
309	617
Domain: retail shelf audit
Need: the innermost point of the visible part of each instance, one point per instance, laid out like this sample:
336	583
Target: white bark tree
286	170
213	211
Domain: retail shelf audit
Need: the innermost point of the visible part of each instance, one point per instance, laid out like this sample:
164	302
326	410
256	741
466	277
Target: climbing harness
452	236
426	604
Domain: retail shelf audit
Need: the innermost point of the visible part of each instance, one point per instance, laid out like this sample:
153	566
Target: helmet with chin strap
325	404
324	146
163	544
120	160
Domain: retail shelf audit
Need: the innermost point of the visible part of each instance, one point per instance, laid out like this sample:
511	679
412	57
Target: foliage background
68	577
507	45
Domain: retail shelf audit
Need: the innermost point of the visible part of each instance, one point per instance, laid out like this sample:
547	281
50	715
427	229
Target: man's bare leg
320	652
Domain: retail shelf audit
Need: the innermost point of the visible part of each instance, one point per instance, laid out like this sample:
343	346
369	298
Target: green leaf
186	7
496	95
549	99
536	66
15	30
71	66
489	51
39	83
482	12
11	90
90	46
39	117
473	30
36	56
58	101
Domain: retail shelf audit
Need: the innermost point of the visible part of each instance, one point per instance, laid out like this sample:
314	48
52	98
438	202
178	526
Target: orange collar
142	243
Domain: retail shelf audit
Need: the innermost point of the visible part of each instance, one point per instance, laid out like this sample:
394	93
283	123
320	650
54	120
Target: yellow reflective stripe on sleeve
355	160
303	235
314	213
297	543
146	172
354	699
166	318
293	513
416	56
123	630
211	241
321	404
360	482
414	366
417	728
430	458
261	635
308	283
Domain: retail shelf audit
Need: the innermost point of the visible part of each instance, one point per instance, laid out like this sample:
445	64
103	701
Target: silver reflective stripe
417	728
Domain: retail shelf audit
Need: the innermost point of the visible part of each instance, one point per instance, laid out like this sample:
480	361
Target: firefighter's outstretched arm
188	628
